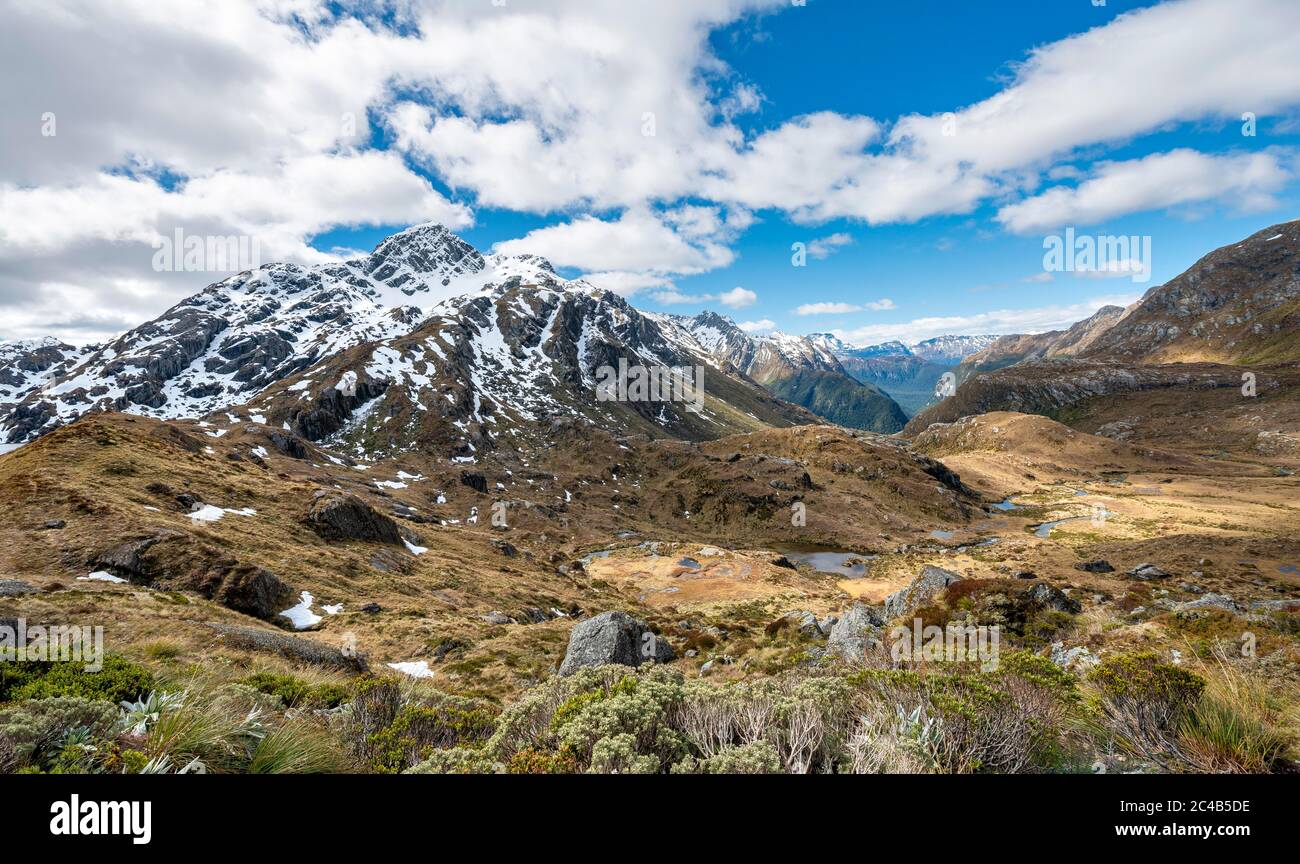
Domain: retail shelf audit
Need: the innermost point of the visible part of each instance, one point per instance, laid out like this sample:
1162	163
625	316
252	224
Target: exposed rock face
177	561
922	590
1235	305
27	366
125	559
425	330
346	517
247	589
613	638
1046	386
223	345
951	349
1009	350
1095	567
855	631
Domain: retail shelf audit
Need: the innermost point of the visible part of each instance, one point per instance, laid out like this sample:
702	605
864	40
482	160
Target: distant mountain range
485	342
1237	306
907	374
426	330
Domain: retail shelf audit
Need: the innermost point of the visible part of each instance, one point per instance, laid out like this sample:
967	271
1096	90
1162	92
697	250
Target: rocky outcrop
346	517
245	588
15	588
1221	602
1050	597
1146	572
293	648
1047	386
613	638
1010	350
856	631
174	561
1235	305
922	590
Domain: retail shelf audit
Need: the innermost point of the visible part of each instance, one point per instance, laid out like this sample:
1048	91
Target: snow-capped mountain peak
236	337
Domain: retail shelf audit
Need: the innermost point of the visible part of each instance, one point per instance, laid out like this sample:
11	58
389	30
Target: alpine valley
380	503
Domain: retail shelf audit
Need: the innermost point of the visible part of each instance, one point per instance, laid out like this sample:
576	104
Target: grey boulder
1147	572
613	638
922	590
15	588
855	631
1210	601
1054	598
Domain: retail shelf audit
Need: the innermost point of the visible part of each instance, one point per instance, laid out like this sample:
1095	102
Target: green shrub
34	733
418	730
119	679
1144	701
457	760
759	757
1146	677
295	692
535	762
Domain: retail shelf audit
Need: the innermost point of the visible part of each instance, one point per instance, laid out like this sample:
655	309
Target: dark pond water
850	565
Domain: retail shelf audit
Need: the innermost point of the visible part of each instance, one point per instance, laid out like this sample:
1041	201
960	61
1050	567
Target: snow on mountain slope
230	341
500	340
29	365
800	369
951	349
510	365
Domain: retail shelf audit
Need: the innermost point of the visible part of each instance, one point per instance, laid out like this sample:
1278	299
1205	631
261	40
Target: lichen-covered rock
923	589
855	631
1077	659
613	637
1209	601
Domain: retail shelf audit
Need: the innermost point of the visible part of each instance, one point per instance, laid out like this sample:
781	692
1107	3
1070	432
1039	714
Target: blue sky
886	60
523	128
